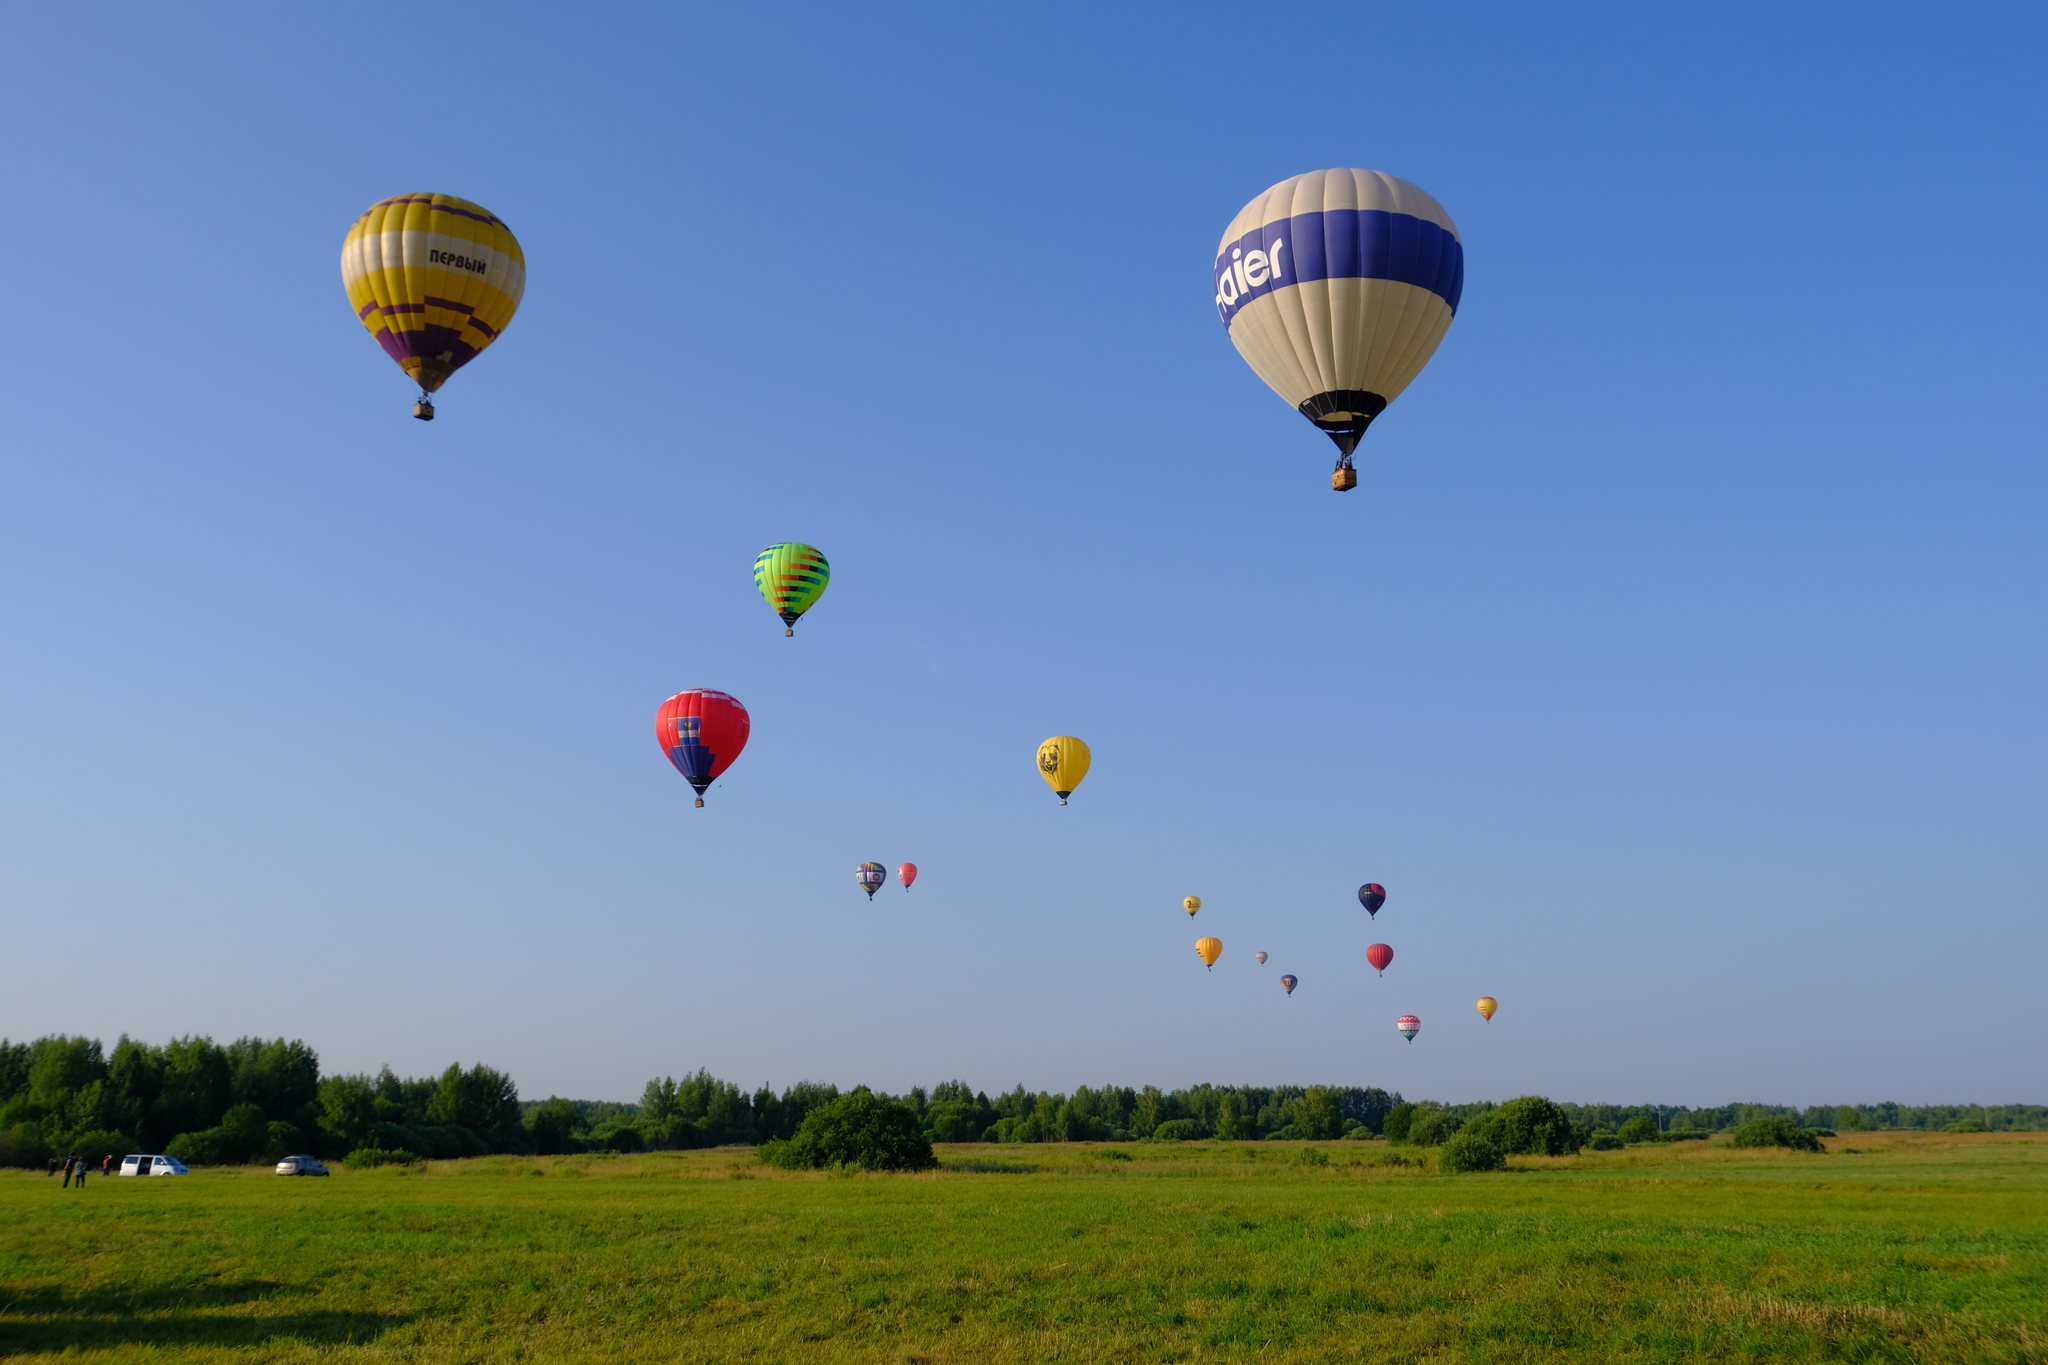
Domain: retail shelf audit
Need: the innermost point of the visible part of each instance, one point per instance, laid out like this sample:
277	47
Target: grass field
1892	1247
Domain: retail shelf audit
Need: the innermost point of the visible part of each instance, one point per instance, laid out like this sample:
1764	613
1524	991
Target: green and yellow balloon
791	577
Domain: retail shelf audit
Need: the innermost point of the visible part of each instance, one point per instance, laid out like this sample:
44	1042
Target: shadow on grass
48	1319
988	1167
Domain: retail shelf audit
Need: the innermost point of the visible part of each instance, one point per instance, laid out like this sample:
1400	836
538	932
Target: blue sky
1678	664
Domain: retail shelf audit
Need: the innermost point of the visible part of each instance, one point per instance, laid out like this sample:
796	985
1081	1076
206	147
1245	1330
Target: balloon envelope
1372	896
1191	904
907	874
1336	287
434	278
1409	1026
1487	1005
702	732
1288	983
870	876
791	577
1379	955
1208	949
1063	762
1261	957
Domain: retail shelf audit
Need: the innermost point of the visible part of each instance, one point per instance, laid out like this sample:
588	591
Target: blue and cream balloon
1336	287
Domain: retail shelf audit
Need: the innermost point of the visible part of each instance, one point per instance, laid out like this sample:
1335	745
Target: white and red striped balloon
1409	1026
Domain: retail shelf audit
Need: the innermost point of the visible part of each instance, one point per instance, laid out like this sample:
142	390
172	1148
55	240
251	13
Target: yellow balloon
1192	903
1208	949
1487	1005
435	279
1063	762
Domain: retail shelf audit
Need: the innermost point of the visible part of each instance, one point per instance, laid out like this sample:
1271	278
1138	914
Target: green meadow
1891	1247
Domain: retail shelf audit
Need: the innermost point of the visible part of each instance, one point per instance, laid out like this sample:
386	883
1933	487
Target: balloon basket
423	410
1344	480
700	803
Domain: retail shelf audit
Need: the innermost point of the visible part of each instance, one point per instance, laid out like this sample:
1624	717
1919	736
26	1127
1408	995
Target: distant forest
257	1100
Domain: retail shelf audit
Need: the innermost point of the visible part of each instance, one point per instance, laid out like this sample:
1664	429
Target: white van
152	1165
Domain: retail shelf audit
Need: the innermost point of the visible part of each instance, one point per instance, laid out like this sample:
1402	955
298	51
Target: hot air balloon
702	732
1372	896
1208	949
1409	1026
870	876
1191	904
1261	958
435	279
1288	983
791	577
1487	1005
1063	762
1379	955
905	874
1336	287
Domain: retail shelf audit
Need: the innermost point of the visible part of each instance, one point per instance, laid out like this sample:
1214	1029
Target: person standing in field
107	1164
82	1168
53	1167
69	1162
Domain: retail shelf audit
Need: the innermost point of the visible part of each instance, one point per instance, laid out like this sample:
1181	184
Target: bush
1607	1142
1966	1126
1431	1125
23	1145
1530	1126
363	1158
1180	1130
281	1140
861	1129
1359	1134
1639	1129
1471	1151
1309	1156
624	1138
1775	1130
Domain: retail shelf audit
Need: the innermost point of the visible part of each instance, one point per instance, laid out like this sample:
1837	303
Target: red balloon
702	732
1379	955
907	874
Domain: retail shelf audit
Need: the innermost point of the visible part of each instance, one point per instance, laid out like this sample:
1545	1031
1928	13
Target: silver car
300	1165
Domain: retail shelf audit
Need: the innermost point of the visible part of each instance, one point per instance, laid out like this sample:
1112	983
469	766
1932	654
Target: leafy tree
861	1129
1776	1130
280	1078
195	1089
348	1106
552	1127
953	1121
1395	1125
60	1067
1850	1119
1317	1115
481	1099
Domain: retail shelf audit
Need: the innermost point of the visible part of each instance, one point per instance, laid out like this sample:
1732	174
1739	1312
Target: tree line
257	1099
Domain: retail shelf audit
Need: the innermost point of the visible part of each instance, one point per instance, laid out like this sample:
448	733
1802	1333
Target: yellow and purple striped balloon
435	279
